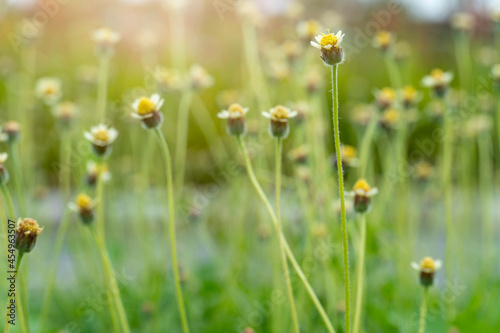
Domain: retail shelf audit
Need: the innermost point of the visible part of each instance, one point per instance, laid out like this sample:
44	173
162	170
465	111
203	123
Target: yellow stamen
328	39
437	73
28	226
280	112
383	38
102	135
362	185
348	152
146	106
428	264
83	201
236	109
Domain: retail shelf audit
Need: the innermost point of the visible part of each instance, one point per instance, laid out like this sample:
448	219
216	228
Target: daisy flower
101	137
147	110
235	116
329	45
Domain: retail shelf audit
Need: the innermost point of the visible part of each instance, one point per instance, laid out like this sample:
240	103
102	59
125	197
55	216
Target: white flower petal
223	114
316	45
267	115
416	266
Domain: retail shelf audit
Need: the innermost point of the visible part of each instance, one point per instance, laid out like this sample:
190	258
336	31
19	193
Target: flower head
349	156
10	131
279	116
65	112
299	154
48	89
94	170
4	174
200	78
362	193
101	137
383	40
147	109
27	232
438	80
389	118
84	206
235	116
463	21
427	267
329	44
307	30
168	79
495	73
423	170
105	40
410	96
385	97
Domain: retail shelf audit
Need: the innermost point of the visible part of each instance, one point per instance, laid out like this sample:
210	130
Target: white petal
136	115
267	115
223	114
372	192
316	45
328	47
88	136
155	98
159	104
135	105
292	114
3	157
428	81
416	266
438	264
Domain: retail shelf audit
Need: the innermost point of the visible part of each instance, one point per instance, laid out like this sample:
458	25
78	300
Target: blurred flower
349	206
435	109
105	40
495	73
362	194
235	116
48	89
279	70
427	268
423	170
298	155
93	173
329	44
385	97
304	174
27	232
401	50
291	49
147	110
349	156
227	97
87	74
279	116
295	9
383	40
248	330
313	81
462	21
438	80
199	77
410	96
302	108
168	79
362	113
4	174
84	206
487	56
249	11
65	112
389	118
477	125
319	230
101	137
307	30
10	132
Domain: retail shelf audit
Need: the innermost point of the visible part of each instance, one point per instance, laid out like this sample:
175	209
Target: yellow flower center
409	93
312	27
437	74
236	109
49	90
328	39
391	116
388	94
280	112
83	201
362	185
102	135
348	152
29	226
146	106
428	264
383	38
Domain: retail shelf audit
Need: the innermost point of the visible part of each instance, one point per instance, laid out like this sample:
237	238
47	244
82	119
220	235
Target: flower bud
410	96
27	232
331	52
11	131
65	112
362	193
235	116
279	116
383	40
147	110
495	73
385	98
105	40
439	81
427	269
4	174
84	206
101	137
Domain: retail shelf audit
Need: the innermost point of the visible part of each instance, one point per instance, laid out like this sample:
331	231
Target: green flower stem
361	273
364	151
423	311
8	202
18	178
289	252
65	160
485	177
498	112
447	184
394	74
49	286
182	137
336	132
20	312
115	304
171	210
102	85
100	199
279	148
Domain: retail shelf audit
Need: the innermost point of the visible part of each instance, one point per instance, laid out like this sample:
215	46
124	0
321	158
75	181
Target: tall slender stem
361	273
18	178
447	184
279	146
364	151
336	133
289	252
423	311
171	210
182	137
111	283
102	85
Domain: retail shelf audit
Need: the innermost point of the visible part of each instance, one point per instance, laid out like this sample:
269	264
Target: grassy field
185	174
